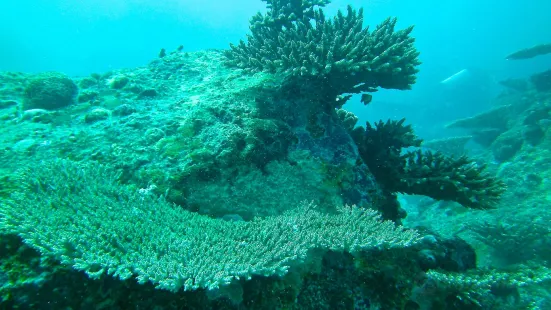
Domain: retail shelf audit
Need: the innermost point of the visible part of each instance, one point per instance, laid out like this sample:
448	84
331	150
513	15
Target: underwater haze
275	154
83	37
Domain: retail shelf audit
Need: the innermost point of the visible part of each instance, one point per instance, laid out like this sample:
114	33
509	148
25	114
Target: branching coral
423	173
296	38
447	178
480	288
380	147
80	215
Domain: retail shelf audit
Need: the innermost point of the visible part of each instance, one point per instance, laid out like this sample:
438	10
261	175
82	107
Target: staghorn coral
296	38
80	215
447	178
380	148
283	13
423	173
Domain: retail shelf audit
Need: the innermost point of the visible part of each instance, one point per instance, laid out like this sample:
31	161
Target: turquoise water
148	161
97	36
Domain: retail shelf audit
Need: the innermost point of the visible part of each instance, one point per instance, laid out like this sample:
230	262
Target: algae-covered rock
542	81
507	145
87	95
124	110
147	93
37	116
7	103
96	115
88	82
49	91
118	82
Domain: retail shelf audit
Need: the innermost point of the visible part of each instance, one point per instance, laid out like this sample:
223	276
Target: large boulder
49	91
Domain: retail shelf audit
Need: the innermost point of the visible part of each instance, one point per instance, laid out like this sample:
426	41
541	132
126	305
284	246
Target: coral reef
204	138
81	216
507	144
213	142
380	278
187	184
295	38
512	242
541	81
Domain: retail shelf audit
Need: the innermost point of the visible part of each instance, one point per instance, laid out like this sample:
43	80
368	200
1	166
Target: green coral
296	38
80	215
423	173
380	147
448	178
